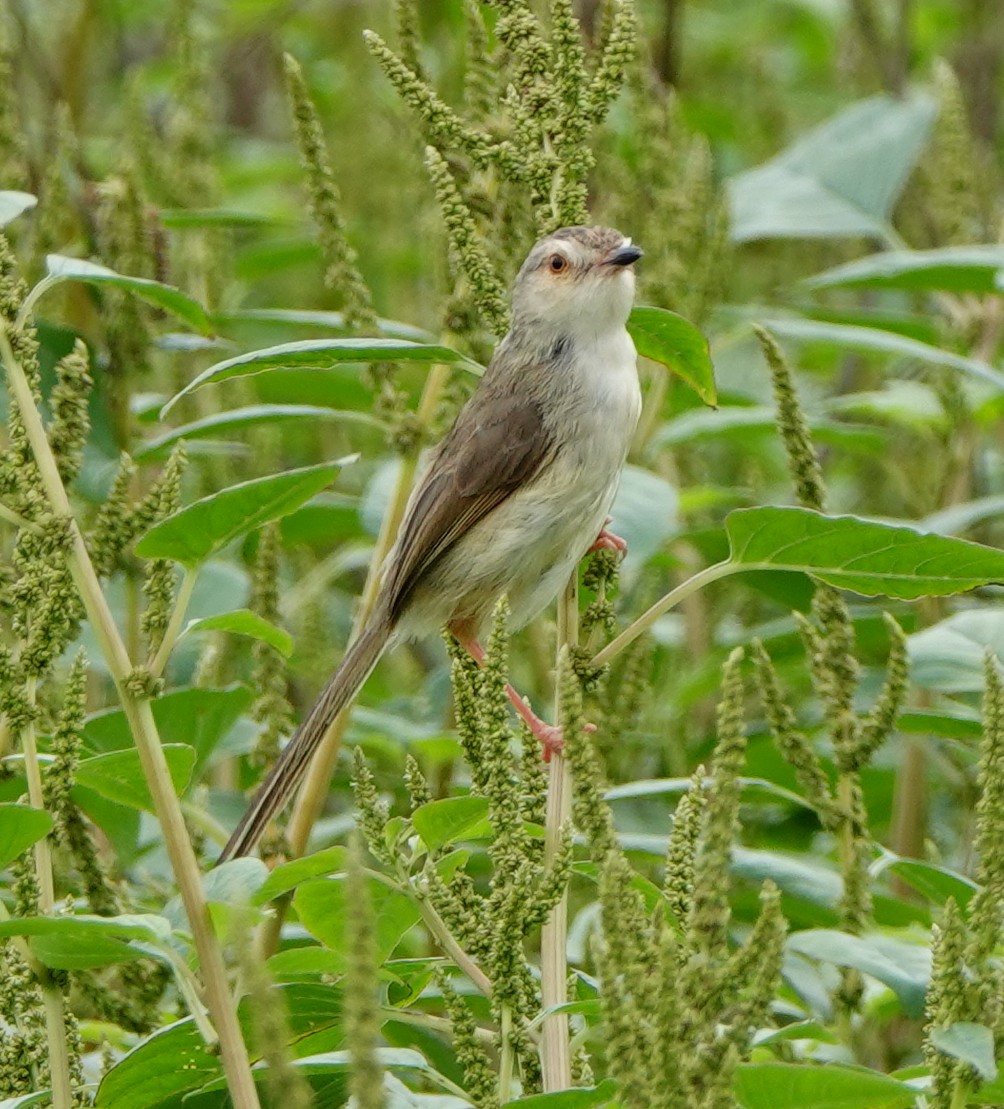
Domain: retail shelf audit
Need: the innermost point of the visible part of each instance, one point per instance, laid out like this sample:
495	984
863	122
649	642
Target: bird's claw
608	541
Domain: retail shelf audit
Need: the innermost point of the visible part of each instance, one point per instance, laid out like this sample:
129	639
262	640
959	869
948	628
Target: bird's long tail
292	764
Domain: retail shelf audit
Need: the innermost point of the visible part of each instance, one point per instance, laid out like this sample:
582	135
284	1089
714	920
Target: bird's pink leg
551	739
607	541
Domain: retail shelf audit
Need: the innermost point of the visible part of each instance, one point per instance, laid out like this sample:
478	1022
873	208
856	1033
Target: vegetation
252	259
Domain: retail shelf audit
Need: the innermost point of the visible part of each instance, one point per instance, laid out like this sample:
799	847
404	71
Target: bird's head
576	281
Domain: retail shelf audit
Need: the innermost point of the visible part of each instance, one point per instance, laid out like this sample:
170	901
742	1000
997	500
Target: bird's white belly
528	547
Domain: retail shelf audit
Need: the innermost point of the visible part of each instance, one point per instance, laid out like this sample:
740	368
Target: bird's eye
557	263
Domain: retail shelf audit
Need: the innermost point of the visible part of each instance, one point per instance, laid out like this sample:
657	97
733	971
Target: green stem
505	1055
173	629
664	604
139	714
33	297
18	520
52	996
555	1054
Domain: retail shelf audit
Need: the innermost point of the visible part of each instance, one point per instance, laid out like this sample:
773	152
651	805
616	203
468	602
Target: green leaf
450	819
162	296
215	217
970	1043
325	321
937	883
956	269
78	942
583	1097
742	423
840	179
14	204
645	513
960	517
44	1097
20	827
320	354
245	622
162	1066
872	340
194	533
794	1086
904	968
682	348
950	656
202	717
118	775
289	875
860	555
237	419
323	909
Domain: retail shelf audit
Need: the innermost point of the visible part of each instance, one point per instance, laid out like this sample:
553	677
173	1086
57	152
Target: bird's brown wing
498	443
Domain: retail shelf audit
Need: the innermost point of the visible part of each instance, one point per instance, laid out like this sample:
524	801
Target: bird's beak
625	255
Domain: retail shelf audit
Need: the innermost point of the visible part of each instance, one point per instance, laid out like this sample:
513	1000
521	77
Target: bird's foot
552	740
608	541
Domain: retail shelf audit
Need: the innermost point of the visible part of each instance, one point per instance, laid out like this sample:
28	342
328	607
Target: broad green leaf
288	876
450	819
950	656
840	179
78	942
904	968
860	555
202	717
167	297
245	622
960	723
665	337
871	340
960	517
956	269
194	533
162	1066
236	419
20	827
909	404
797	1030
215	217
14	204
809	879
343	1062
937	883
742	423
583	1097
118	775
645	513
323	909
235	882
655	787
969	1043
801	1086
327	321
320	354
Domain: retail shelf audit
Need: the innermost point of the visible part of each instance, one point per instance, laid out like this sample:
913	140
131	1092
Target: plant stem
505	1055
437	926
173	629
664	604
52	996
311	797
555	1055
32	771
236	1063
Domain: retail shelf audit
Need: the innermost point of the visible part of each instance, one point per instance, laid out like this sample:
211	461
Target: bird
513	496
